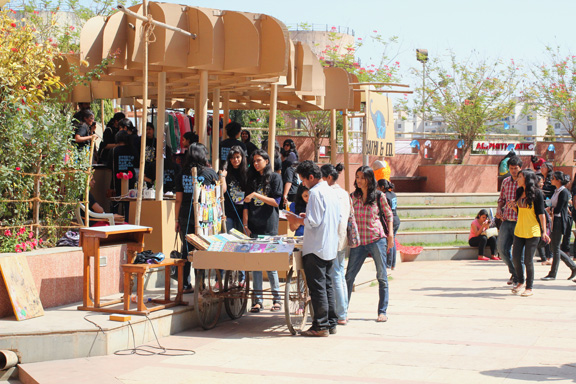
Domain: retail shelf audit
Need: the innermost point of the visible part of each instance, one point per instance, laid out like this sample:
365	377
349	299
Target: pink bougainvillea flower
30	234
40	241
21	231
14	49
7	233
18	250
13	25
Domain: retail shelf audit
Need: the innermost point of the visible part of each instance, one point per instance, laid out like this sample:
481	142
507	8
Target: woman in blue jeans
369	204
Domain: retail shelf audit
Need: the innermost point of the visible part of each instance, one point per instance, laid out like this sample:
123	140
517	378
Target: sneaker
548	277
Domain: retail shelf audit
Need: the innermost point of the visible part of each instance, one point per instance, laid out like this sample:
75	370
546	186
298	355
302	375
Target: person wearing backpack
375	228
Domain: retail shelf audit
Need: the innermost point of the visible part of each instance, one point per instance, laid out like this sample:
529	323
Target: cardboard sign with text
380	126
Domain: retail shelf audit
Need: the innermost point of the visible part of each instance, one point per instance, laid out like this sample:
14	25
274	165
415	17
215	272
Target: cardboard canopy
242	53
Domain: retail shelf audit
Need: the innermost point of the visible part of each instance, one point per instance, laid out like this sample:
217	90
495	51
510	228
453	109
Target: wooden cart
210	294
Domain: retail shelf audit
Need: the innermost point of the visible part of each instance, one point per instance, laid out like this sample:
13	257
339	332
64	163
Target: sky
507	29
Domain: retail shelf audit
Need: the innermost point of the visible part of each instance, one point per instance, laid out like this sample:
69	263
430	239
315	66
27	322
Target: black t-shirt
225	149
108	137
393	203
263	218
185	184
234	197
83	131
289	176
170	172
548	189
122	159
250	147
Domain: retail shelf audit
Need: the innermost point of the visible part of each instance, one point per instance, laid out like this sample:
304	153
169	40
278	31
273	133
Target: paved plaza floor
449	322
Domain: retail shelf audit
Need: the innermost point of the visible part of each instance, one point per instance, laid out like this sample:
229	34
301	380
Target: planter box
57	273
408	257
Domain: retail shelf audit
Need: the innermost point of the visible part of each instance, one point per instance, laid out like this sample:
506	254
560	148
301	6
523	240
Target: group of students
530	223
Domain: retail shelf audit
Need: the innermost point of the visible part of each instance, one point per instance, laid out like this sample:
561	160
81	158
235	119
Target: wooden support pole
333	141
144	119
272	122
226	107
346	140
216	129
202	113
160	144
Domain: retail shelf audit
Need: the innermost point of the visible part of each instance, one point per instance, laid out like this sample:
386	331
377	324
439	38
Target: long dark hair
242	168
197	156
299	203
561	177
331	170
482	212
292	148
254	177
371	180
530	188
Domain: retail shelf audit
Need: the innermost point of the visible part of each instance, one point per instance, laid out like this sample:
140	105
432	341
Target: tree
554	89
43	174
469	95
386	70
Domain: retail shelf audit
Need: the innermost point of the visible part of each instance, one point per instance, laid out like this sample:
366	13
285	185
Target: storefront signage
502	148
380	126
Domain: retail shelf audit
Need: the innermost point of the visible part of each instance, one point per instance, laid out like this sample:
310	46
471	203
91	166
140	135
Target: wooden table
91	239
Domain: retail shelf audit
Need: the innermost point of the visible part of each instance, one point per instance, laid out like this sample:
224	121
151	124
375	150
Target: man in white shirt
320	247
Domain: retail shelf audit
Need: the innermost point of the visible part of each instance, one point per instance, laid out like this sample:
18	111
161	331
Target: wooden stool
140	270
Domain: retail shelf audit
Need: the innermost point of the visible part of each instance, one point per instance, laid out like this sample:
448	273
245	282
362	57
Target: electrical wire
151	350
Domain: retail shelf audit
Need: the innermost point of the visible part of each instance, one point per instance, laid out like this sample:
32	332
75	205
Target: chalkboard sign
20	286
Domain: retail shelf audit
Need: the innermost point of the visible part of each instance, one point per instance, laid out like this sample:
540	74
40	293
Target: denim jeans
528	246
274	286
505	240
319	273
557	252
357	256
391	254
340	289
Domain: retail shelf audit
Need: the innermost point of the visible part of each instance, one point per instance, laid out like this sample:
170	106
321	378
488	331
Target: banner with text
380	126
502	148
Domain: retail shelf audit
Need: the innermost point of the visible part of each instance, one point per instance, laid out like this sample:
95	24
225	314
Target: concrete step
442	211
425	224
446	198
432	237
451	253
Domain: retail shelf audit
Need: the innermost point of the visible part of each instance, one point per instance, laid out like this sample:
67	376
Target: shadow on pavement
543	373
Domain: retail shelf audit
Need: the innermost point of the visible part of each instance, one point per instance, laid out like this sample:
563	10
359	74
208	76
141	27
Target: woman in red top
478	237
369	204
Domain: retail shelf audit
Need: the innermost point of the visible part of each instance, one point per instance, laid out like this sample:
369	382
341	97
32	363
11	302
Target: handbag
149	257
175	254
352	233
490	232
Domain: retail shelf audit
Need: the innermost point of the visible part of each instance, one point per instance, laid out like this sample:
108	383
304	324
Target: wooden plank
20	286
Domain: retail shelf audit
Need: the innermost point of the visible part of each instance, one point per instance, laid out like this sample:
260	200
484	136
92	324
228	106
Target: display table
91	239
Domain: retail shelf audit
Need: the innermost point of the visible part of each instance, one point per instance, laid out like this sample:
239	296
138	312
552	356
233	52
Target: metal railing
320	28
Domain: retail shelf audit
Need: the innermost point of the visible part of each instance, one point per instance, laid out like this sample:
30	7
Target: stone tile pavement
449	322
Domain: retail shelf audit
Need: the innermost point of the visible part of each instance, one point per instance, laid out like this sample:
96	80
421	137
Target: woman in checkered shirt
374	218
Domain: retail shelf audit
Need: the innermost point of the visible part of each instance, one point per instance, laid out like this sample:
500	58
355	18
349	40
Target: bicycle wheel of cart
236	292
296	301
208	297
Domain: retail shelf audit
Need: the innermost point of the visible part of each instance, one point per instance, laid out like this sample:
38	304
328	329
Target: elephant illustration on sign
379	122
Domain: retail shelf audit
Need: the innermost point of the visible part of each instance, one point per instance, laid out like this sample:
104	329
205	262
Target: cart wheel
207	297
296	301
236	292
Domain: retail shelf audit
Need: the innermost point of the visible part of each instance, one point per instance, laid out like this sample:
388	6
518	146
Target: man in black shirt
233	131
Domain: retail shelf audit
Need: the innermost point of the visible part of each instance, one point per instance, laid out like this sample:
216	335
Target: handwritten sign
20	286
